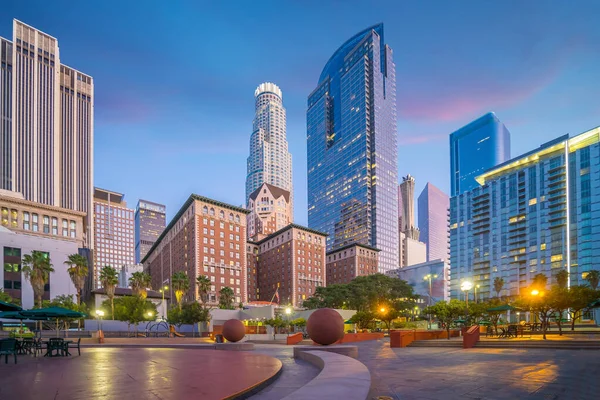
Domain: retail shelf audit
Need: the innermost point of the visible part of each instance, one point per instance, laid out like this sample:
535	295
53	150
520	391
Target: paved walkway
478	374
136	374
295	373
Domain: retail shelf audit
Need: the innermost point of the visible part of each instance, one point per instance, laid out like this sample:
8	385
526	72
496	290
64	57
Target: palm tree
593	278
226	298
203	287
562	278
180	284
37	269
109	280
78	271
140	281
498	285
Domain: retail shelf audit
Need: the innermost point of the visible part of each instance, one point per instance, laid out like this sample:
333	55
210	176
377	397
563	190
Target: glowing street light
465	287
100	314
382	309
535	292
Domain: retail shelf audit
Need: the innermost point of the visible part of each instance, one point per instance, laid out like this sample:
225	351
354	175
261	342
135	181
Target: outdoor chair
489	332
512	331
76	345
38	345
55	345
28	345
8	347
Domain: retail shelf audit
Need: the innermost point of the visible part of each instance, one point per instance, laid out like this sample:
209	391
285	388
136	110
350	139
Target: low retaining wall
402	338
340	377
360	337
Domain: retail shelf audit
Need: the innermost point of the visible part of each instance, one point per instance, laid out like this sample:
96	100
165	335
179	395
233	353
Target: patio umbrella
595	304
9	307
19	316
484	323
459	321
505	307
53	313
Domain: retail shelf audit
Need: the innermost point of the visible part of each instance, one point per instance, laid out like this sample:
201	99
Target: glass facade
150	222
475	148
433	222
352	148
538	213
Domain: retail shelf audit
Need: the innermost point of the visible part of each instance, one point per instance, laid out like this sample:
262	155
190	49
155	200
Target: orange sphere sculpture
234	330
325	326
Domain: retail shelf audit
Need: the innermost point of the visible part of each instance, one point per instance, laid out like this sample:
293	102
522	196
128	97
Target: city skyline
539	86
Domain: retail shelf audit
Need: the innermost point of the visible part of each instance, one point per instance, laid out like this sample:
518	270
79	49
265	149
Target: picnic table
56	347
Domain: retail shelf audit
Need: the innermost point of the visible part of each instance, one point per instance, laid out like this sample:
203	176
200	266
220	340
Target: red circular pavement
125	373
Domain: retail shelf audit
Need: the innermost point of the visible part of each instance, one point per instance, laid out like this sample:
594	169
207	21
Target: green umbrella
53	313
459	321
19	316
595	304
9	307
505	307
485	323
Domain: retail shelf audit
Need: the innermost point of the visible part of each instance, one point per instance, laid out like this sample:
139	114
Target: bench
341	377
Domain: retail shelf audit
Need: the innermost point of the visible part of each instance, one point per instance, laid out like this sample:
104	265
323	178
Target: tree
539	282
559	300
204	285
5	297
109	280
298	323
363	319
140	282
275	323
180	284
193	313
447	313
226	298
593	278
388	316
539	304
175	316
562	278
133	310
78	271
37	269
498	285
580	297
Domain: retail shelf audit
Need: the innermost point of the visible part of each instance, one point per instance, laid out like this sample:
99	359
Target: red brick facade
206	237
351	261
293	260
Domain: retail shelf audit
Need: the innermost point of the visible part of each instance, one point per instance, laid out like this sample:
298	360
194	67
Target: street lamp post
162	304
476	299
288	312
99	314
465	287
429	278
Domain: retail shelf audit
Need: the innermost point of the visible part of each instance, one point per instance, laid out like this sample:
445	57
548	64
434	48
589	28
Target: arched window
237	218
222	214
231	216
212	211
205	210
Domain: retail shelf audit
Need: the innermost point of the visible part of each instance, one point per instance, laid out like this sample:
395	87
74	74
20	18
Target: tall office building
46	129
113	232
353	150
150	221
406	207
536	213
475	148
433	222
269	160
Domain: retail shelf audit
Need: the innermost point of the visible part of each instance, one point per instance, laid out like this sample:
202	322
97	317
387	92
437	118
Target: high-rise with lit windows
113	231
536	213
46	123
269	160
150	221
353	149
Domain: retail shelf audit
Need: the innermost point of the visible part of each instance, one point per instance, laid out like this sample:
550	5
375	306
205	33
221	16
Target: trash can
219	338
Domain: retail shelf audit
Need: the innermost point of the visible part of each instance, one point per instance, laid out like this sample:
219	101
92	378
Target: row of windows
49	225
205	210
221	224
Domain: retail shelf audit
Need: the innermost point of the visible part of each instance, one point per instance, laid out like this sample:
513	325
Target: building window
73	231
34	222
65	228
26	225
54	226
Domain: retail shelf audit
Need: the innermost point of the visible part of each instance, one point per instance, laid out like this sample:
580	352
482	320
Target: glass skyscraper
475	148
433	222
537	213
352	148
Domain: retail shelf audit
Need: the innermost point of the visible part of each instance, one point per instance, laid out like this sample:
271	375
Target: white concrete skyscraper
269	160
47	114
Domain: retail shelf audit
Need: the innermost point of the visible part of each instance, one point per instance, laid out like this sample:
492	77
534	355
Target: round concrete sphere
325	326
234	330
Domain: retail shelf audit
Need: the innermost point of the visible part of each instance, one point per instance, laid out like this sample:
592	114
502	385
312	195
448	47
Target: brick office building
291	259
270	210
350	261
206	237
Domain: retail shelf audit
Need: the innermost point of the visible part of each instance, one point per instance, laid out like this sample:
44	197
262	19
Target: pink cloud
421	139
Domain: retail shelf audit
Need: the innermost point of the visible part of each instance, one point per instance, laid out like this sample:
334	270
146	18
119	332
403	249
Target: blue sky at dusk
175	80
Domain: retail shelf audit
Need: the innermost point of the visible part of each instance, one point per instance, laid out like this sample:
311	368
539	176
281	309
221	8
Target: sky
175	80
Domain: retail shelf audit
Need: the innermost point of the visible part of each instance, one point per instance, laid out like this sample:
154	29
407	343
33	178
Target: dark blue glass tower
352	148
475	148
